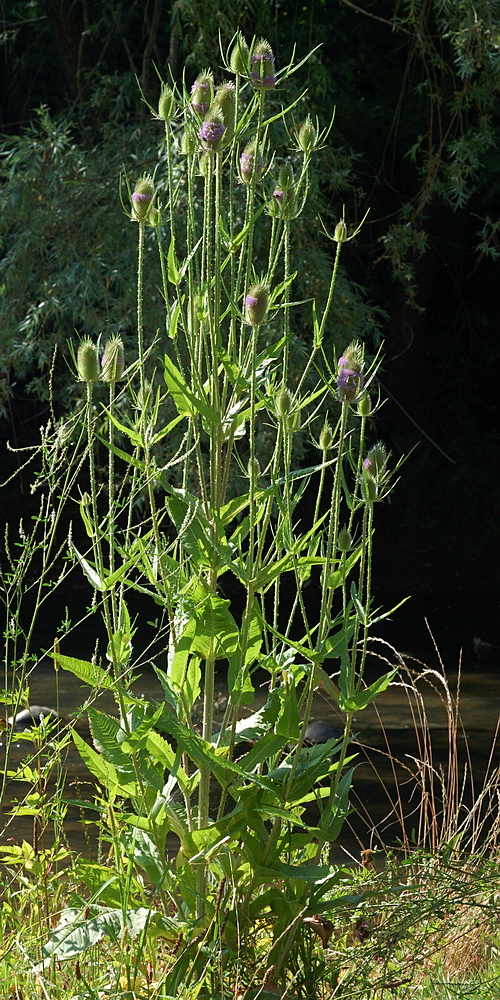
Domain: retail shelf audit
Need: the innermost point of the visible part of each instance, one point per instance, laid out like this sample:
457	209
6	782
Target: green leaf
80	929
104	772
91	574
357	702
87	672
187	403
172	269
204	755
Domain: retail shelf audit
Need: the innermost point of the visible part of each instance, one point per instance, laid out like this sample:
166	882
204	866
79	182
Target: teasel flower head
284	193
113	360
262	75
224	106
284	203
205	165
283	403
249	165
326	437
286	177
253	468
369	487
307	136
376	460
350	373
189	142
87	362
202	93
166	103
340	234
344	540
240	56
256	303
365	405
142	197
212	132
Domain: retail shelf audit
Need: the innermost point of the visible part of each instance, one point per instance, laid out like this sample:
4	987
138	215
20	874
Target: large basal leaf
78	930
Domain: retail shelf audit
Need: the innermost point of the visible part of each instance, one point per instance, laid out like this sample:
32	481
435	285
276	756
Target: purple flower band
261	56
140	196
211	133
263	81
349	383
251	301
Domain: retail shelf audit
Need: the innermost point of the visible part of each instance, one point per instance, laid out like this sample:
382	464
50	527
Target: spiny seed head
340	233
262	74
166	103
113	360
376	460
344	540
307	136
87	362
256	303
248	165
202	93
365	405
142	197
211	132
225	106
283	402
326	437
240	56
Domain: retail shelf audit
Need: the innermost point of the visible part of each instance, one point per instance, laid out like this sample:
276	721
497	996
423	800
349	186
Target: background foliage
415	86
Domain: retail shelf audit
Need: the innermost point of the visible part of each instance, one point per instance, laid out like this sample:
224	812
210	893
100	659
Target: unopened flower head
249	165
344	540
376	460
340	234
212	132
240	56
113	360
142	197
189	142
283	402
256	302
326	437
307	136
224	106
365	405
205	165
286	178
262	74
166	103
202	93
87	362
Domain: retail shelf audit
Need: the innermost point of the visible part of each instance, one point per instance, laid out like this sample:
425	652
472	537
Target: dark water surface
388	731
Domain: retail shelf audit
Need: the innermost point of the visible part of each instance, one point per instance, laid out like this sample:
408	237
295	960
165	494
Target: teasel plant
207	513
